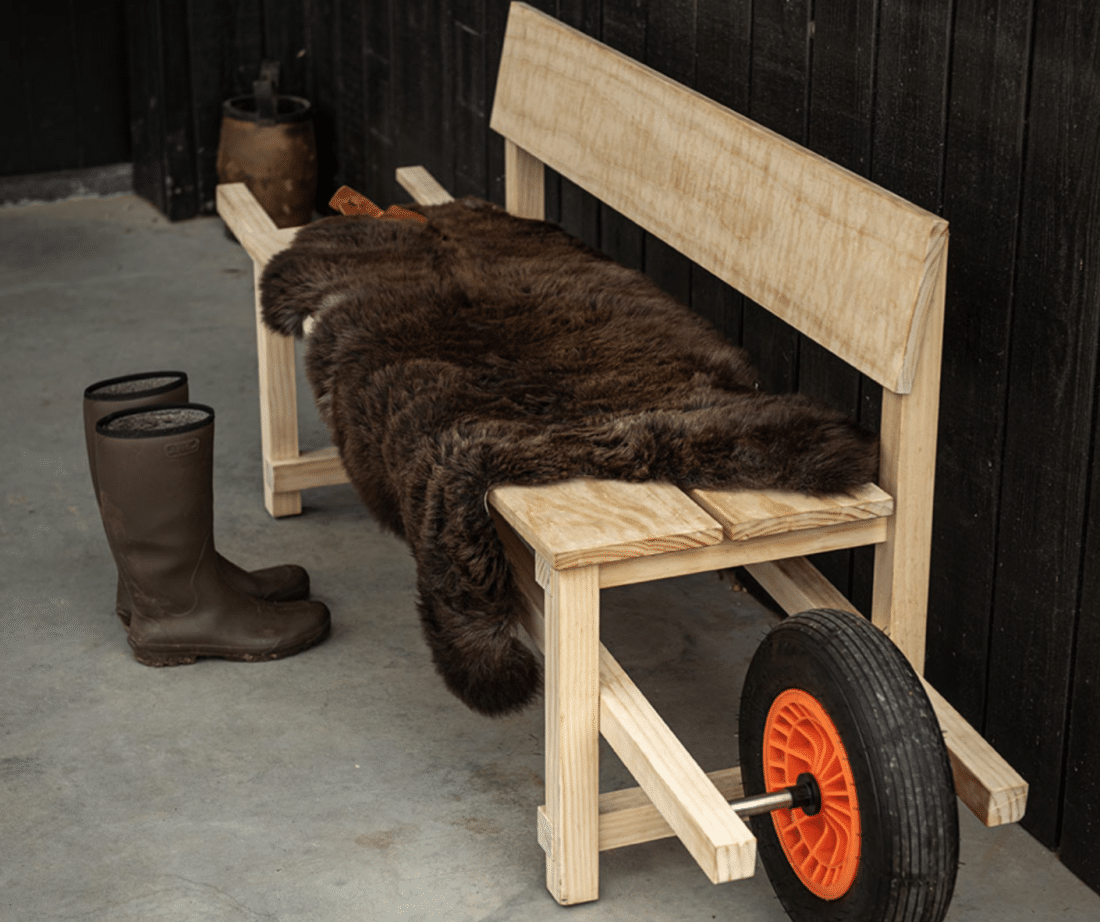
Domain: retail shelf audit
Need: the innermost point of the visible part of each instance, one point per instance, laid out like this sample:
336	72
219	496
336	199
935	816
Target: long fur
482	349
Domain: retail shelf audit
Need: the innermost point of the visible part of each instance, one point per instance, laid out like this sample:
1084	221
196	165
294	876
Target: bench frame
852	266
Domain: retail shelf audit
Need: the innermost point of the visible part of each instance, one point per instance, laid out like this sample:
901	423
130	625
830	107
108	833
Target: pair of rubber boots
151	458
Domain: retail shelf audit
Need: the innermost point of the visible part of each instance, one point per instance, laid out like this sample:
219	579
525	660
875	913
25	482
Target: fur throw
481	349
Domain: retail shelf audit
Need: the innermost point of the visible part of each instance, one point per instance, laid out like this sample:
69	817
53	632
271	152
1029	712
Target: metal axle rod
805	795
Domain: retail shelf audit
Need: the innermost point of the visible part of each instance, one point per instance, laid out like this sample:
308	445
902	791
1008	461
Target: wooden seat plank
582	521
754	513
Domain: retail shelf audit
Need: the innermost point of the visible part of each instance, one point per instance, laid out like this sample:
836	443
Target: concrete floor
340	784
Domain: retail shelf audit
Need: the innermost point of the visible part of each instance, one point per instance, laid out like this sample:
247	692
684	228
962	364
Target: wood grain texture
629	817
779	77
100	91
723	73
321	60
993	790
147	131
361	36
741	553
1052	391
286	471
422	186
840	100
41	50
637	820
716	837
581	522
421	69
982	178
755	513
1082	792
624	26
524	183
278	407
250	224
907	471
572	694
670	49
470	101
755	186
226	43
319	468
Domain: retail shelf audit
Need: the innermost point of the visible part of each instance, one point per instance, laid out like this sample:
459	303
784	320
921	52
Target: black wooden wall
985	111
63	73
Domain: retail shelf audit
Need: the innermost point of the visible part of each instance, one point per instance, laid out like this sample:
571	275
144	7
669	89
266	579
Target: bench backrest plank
844	261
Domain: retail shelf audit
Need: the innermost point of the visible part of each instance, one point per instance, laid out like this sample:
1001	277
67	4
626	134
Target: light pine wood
285	470
319	468
796	585
716	837
629	817
755	513
524	183
740	553
583	522
726	780
842	260
907	472
278	408
993	790
250	224
572	695
984	781
422	186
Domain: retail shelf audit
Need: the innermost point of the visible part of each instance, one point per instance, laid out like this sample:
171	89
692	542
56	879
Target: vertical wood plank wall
984	111
63	68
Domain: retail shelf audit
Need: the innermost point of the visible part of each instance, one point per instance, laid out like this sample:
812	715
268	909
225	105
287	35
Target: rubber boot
284	583
155	474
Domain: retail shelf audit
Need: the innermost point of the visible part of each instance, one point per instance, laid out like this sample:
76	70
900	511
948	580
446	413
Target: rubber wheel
827	694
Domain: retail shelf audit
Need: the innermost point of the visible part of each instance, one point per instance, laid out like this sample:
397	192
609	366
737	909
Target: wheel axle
805	795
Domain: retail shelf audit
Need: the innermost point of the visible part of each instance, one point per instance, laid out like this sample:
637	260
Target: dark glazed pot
273	152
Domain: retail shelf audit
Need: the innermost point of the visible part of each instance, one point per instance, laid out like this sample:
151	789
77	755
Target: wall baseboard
89	182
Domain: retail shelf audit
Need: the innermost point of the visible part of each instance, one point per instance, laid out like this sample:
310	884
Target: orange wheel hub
823	849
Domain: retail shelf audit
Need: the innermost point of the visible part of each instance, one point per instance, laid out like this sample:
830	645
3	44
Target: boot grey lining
134	387
157	420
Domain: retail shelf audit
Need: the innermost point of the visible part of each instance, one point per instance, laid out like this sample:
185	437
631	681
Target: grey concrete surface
340	784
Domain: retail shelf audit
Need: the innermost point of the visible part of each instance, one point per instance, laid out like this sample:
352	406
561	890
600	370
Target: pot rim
243	108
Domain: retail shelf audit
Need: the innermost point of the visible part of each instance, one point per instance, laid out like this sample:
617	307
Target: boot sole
176	656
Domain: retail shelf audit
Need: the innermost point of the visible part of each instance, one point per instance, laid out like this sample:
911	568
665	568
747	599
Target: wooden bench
854	267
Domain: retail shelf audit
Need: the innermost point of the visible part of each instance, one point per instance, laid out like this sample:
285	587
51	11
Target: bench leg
278	409
570	821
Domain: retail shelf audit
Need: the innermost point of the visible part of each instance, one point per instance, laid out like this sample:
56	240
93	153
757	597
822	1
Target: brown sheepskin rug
480	349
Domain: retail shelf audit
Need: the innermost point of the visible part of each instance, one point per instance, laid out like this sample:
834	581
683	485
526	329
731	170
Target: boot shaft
155	469
113	395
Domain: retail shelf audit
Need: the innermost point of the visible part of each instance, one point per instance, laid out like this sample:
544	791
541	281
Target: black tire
909	833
